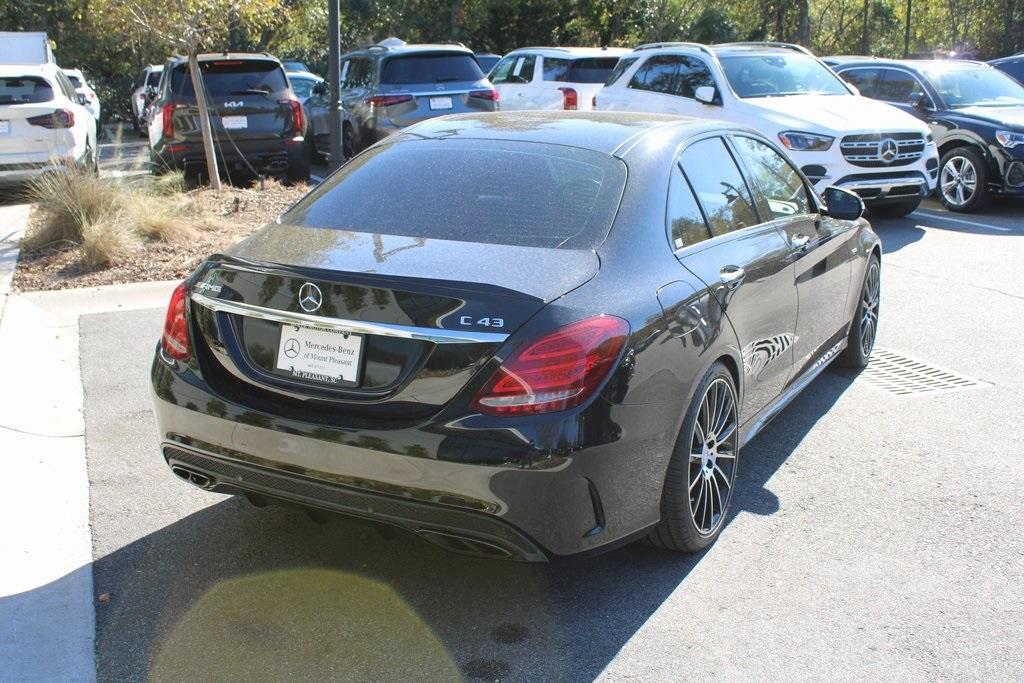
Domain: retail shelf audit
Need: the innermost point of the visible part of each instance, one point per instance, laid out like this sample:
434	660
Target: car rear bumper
264	156
599	487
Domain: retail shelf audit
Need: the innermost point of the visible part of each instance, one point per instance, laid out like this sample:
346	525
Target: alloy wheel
870	300
958	181
713	448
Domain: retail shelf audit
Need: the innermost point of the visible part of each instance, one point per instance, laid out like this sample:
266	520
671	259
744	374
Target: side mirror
842	204
920	101
706	94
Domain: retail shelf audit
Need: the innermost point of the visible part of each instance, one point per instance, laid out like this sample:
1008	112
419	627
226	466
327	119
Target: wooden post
204	120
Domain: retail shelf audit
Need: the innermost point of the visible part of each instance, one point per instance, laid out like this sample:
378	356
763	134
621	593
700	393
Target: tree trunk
805	23
906	32
865	39
204	121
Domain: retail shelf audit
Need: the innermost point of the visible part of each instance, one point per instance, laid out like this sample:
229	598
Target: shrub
71	201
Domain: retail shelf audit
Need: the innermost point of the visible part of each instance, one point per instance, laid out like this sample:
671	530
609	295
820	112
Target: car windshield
442	67
497	192
974	86
24	90
227	77
777	75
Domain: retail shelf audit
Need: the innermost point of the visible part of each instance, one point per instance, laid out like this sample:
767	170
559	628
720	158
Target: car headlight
805	142
1009	139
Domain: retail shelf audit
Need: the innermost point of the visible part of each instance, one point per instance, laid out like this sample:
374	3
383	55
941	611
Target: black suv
391	85
976	113
258	123
1012	65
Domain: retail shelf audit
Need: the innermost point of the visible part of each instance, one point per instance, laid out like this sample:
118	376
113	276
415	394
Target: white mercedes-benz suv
833	134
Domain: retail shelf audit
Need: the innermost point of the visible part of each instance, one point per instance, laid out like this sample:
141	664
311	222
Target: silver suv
391	85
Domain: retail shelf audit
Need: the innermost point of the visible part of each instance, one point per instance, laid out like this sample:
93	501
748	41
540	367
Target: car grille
866	150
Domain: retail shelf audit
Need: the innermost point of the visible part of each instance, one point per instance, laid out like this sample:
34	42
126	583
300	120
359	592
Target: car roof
1009	58
226	56
599	131
77	72
914	63
391	50
575	51
48	69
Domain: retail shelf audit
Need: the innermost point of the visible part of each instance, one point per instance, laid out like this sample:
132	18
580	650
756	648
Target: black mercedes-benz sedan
523	335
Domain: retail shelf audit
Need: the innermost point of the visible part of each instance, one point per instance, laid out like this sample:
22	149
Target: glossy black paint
568	482
955	127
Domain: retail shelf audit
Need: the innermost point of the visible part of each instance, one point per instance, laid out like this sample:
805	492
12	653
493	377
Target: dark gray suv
391	85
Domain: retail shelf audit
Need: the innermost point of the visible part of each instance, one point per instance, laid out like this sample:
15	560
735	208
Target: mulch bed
237	213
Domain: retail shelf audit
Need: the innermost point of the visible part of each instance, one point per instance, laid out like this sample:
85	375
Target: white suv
833	134
553	77
43	124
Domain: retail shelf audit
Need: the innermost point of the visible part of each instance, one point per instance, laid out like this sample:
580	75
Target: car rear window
443	67
75	81
153	79
224	78
585	70
24	90
496	192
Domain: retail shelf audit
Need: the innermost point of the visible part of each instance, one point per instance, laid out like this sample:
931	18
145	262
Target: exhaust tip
192	477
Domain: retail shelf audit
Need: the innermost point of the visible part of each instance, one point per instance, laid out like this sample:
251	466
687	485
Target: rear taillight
570	99
175	338
168	120
298	120
559	371
62	118
493	95
388	100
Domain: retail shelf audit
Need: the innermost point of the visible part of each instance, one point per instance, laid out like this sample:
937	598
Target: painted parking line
960	221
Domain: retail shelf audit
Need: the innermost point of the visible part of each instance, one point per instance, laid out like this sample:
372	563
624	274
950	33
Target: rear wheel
864	327
963	180
702	471
895	209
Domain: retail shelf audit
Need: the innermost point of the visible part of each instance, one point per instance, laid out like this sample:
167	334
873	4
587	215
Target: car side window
775	180
657	74
556	68
865	80
686	223
898	87
719	185
515	69
66	87
620	68
693	74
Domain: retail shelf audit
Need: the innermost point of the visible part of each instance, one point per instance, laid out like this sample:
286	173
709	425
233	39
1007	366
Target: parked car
884	155
553	77
86	93
145	86
523	334
303	84
487	60
975	112
391	85
43	124
292	65
258	122
1012	66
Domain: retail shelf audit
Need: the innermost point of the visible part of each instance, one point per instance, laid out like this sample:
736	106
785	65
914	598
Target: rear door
248	100
819	249
744	262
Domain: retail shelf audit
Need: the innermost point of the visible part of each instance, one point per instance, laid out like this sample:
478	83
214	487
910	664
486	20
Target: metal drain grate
902	375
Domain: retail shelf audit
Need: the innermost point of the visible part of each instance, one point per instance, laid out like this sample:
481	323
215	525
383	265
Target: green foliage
105	39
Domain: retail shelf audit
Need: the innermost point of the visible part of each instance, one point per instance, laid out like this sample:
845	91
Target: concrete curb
13	220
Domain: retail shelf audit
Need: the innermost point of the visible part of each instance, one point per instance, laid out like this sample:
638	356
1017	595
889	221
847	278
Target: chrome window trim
358	326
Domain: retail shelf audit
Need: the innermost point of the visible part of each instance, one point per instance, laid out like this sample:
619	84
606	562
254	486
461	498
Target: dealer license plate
234	122
320	354
440	103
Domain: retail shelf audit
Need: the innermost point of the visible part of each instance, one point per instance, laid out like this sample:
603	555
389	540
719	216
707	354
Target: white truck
25	47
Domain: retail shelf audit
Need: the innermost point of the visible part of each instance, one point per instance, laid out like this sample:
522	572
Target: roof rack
655	46
768	43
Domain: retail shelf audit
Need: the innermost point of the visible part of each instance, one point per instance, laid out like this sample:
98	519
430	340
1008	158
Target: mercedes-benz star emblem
888	150
310	297
291	347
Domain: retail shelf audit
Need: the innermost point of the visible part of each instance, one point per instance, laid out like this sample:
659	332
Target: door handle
731	276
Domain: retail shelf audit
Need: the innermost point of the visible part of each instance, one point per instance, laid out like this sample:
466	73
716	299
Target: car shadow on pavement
235	592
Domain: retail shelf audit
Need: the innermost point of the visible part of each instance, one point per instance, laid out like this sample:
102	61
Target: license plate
5	127
440	103
234	122
320	354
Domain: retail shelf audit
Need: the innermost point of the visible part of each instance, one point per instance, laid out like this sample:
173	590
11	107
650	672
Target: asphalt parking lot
874	535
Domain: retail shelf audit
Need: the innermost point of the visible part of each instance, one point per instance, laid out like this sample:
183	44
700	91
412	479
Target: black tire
962	166
860	341
690	475
895	209
299	171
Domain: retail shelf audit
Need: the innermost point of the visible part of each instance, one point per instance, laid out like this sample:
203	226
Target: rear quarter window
516	193
430	68
25	90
